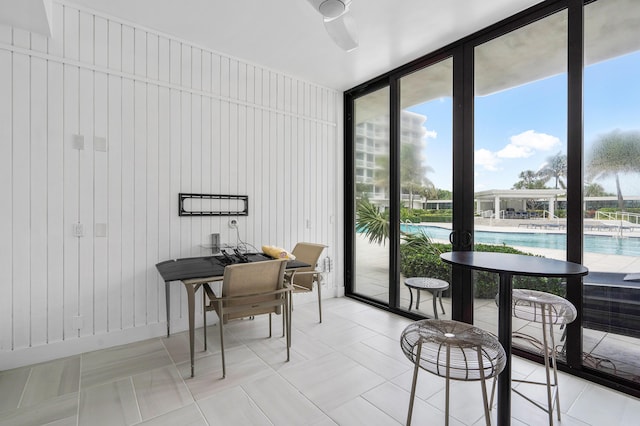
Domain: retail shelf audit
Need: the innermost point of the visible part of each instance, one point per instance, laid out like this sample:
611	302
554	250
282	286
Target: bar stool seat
453	350
528	305
548	310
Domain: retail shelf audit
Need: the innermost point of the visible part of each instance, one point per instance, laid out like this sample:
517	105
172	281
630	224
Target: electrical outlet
327	264
77	322
233	224
78	230
100	144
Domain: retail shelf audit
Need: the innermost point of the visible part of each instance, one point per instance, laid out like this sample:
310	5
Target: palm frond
372	222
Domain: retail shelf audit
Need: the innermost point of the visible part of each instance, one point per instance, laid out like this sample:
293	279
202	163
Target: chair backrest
253	278
307	253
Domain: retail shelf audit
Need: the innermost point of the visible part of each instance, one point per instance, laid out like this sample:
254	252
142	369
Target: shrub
418	261
420	215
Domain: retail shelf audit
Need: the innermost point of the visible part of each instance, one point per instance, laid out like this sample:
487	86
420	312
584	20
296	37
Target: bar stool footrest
536	403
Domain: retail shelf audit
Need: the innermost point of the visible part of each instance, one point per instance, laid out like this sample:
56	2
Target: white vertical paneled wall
174	118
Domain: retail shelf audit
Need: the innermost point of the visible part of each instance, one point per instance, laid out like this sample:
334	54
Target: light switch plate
100	144
100	230
77	142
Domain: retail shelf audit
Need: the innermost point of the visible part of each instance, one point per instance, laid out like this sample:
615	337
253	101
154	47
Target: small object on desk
228	260
277	252
240	256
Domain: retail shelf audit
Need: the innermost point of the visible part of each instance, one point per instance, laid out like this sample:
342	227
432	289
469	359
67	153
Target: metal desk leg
191	302
504	336
168	304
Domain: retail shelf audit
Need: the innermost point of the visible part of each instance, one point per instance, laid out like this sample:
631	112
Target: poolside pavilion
497	202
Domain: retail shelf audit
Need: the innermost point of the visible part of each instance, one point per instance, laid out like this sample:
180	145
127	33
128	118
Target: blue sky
518	129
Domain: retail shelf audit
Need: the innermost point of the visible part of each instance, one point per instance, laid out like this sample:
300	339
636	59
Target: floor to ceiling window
520	152
611	324
426	164
508	140
372	191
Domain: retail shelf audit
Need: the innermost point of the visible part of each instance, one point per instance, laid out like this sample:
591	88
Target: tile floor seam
135	395
244	391
302	393
79	389
173	363
24	389
373	371
197	404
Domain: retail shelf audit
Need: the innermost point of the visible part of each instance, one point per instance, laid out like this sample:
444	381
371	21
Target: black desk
507	265
197	271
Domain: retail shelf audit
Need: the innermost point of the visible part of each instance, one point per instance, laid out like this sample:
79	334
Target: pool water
628	246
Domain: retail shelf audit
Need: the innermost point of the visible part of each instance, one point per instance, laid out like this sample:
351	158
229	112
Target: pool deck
611	352
593	261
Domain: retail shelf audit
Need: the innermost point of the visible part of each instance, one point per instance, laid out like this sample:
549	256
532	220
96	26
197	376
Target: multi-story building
372	153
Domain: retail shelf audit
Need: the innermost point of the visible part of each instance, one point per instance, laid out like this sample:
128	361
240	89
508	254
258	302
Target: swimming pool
592	243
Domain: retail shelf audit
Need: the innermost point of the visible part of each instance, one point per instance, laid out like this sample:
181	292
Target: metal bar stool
546	309
453	350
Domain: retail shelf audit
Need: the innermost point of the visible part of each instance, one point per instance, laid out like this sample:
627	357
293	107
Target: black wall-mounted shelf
217	205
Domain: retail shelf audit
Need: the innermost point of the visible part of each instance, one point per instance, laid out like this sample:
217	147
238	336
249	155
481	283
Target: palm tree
428	191
555	168
593	189
529	180
371	221
413	174
614	153
381	173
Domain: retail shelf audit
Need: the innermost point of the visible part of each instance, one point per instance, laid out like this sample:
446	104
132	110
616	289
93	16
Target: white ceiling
289	35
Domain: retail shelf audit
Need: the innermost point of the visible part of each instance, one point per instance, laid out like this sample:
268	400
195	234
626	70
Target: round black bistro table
507	265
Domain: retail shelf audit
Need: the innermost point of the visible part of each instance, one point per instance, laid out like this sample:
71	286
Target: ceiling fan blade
342	31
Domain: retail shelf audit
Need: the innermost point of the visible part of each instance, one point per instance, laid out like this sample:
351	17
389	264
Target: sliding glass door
611	196
372	187
425	200
520	150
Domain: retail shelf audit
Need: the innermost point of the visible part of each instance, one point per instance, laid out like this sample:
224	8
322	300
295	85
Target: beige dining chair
250	289
302	279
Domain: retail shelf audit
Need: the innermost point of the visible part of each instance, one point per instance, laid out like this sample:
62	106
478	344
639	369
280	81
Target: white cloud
431	134
527	143
515	151
523	145
487	159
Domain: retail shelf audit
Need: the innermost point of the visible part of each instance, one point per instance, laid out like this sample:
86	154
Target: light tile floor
611	353
349	370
